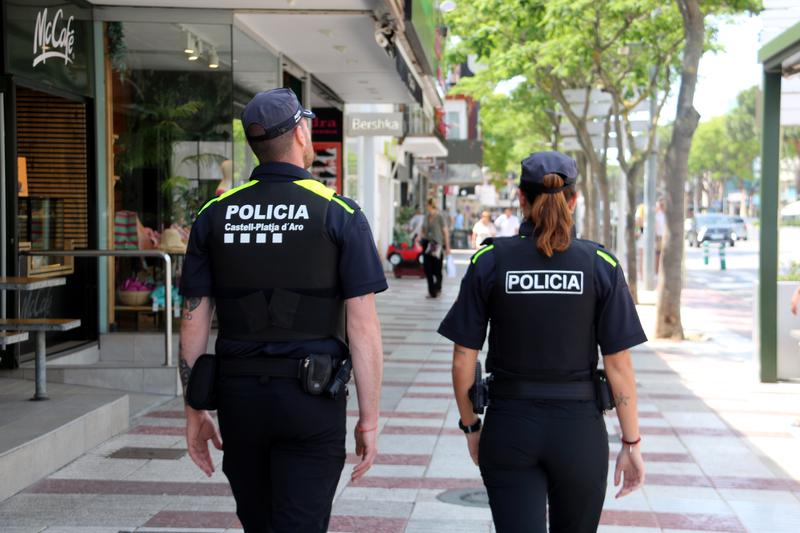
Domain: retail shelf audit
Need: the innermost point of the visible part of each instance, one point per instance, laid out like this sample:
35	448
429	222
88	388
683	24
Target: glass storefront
177	91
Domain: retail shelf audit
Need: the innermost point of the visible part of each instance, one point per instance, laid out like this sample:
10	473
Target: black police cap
537	165
277	111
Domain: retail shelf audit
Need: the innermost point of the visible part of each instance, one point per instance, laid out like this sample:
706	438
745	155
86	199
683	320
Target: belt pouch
605	396
315	373
201	391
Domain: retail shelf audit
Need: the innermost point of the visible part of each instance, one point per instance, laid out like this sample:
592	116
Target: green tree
676	162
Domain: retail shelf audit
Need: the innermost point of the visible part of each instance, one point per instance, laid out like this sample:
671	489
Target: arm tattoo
621	399
184	370
189	305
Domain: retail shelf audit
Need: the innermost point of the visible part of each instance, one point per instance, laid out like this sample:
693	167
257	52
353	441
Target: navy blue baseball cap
277	111
537	165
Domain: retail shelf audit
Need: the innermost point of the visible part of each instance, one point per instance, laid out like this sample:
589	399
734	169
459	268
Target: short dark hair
272	149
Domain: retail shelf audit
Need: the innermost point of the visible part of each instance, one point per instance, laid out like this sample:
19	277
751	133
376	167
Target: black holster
603	391
479	392
201	391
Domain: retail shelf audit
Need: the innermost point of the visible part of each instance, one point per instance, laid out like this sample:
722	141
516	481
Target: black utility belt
318	374
537	390
484	390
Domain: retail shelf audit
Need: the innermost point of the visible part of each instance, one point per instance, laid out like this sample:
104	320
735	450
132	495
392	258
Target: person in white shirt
507	224
415	224
482	230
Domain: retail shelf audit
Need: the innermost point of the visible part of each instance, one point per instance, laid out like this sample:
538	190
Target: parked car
406	259
738	228
711	228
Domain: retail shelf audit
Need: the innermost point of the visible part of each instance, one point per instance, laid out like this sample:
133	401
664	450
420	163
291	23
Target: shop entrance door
54	198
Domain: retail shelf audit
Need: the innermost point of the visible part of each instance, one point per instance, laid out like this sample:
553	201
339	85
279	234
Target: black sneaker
325	153
326	174
318	163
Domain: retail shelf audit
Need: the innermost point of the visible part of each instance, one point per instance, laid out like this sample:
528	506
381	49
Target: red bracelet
631	443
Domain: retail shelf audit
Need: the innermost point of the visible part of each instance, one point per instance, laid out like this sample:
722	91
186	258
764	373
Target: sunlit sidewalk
721	451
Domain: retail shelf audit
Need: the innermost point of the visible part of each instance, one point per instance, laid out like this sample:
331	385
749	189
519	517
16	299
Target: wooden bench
40	326
12	337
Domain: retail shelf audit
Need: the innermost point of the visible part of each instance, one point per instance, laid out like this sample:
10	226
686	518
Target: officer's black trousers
432	266
283	453
533	453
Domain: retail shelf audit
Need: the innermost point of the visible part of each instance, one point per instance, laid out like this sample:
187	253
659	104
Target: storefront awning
424	146
337	47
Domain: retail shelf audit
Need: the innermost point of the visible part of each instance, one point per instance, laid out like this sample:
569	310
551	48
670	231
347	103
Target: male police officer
293	271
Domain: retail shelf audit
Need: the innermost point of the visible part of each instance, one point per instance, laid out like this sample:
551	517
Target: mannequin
227	177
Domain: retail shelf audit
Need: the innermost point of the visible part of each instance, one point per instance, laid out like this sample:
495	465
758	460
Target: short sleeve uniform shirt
360	267
616	320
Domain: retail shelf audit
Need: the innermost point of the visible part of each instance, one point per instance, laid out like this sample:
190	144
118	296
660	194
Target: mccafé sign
375	124
53	37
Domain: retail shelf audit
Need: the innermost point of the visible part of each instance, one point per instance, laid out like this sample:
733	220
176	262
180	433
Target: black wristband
469	429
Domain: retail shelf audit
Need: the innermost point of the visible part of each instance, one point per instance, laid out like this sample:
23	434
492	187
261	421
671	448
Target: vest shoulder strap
326	192
227	194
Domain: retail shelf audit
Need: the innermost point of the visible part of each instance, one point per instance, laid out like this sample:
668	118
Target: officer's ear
523	202
301	135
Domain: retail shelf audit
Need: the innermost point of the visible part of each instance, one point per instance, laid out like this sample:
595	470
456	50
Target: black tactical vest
274	265
542	312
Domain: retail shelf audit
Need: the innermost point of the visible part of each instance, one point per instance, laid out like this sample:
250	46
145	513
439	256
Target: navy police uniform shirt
360	268
617	323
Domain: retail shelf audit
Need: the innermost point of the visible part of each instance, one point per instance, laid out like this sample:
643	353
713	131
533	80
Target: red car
406	259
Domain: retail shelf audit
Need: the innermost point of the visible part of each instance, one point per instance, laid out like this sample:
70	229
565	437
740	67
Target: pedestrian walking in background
436	243
482	230
551	300
415	224
294	310
507	223
795	301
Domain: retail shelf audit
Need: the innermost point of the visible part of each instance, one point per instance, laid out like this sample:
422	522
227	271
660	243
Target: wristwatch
470	429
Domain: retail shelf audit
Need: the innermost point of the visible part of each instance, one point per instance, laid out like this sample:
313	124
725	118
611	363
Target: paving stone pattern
721	452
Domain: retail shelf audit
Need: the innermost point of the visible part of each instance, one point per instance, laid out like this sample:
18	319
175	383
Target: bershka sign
53	37
374	124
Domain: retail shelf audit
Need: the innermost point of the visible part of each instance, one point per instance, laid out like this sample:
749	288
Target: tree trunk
668	303
590	203
631	233
605	196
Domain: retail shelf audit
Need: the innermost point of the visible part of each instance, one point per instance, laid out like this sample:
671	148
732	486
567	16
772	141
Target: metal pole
168	308
768	257
3	207
649	262
41	377
130	253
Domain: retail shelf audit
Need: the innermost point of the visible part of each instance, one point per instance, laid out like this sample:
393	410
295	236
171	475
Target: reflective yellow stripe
481	252
344	205
227	193
326	192
607	257
317	188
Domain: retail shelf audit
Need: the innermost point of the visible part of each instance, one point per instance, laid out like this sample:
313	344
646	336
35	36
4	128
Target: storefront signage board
50	42
374	124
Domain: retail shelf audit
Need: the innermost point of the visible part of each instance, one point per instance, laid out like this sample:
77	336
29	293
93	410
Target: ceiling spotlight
447	6
198	50
189	49
213	59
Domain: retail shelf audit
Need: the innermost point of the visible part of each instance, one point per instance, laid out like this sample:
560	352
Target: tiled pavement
721	450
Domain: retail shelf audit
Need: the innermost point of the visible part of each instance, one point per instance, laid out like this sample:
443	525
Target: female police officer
551	300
